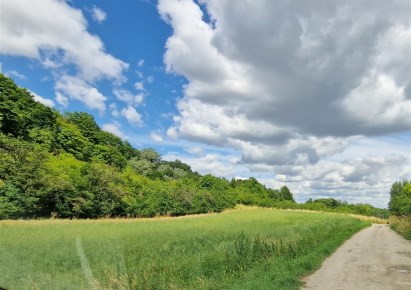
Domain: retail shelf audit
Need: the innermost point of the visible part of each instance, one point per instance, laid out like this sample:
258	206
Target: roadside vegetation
65	166
247	248
400	208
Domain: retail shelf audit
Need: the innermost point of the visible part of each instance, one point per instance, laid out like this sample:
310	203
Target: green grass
249	248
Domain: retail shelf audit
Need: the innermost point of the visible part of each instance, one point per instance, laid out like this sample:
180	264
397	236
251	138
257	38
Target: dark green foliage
400	202
400	208
19	112
285	193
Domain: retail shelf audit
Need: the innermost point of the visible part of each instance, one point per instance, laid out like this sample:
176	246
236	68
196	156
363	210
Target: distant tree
19	112
150	155
310	200
86	124
286	194
328	202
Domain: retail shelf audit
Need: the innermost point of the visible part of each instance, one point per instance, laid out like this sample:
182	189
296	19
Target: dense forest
64	165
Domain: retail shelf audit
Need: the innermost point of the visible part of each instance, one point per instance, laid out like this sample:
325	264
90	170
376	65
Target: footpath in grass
250	248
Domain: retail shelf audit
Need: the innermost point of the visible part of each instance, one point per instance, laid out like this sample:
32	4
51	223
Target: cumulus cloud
128	97
139	86
76	88
114	110
220	165
31	29
44	101
366	179
294	65
132	116
288	87
98	14
156	137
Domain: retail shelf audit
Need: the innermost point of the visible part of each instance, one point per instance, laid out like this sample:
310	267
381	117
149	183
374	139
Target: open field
249	248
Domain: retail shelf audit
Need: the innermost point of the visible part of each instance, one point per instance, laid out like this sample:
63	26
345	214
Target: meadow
246	248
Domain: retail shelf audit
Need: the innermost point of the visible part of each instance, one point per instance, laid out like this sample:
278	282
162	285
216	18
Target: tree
150	155
400	202
69	138
65	188
86	124
286	194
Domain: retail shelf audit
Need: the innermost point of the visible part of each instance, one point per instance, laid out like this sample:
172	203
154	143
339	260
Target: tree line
64	165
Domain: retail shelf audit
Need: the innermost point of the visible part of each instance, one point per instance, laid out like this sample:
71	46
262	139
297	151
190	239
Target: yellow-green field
248	248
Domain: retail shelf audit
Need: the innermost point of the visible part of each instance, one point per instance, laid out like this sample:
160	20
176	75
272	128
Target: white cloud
44	101
195	150
114	128
140	63
217	164
14	73
389	103
114	110
98	14
156	137
139	86
128	97
76	88
365	179
31	29
62	99
132	116
291	86
139	74
150	79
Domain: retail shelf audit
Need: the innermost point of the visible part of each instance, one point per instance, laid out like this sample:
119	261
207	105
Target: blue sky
314	96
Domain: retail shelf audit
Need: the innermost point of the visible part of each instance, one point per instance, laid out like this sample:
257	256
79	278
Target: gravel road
375	258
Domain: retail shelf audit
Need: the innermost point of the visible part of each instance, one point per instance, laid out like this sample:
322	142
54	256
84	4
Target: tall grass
402	225
240	249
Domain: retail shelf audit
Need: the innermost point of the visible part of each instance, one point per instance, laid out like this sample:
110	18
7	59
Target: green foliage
12	202
21	165
69	138
19	112
65	191
400	202
285	193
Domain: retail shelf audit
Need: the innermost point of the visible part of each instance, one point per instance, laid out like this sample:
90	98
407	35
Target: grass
402	225
249	248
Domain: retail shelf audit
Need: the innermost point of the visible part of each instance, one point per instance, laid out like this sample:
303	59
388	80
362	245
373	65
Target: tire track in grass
84	263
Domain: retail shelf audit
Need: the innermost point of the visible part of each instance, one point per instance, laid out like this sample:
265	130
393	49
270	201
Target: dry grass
402	225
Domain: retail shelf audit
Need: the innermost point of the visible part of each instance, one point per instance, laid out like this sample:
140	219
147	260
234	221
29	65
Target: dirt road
375	258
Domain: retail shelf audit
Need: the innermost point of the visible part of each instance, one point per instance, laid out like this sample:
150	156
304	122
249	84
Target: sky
314	95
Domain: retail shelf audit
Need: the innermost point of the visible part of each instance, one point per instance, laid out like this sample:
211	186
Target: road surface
375	258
